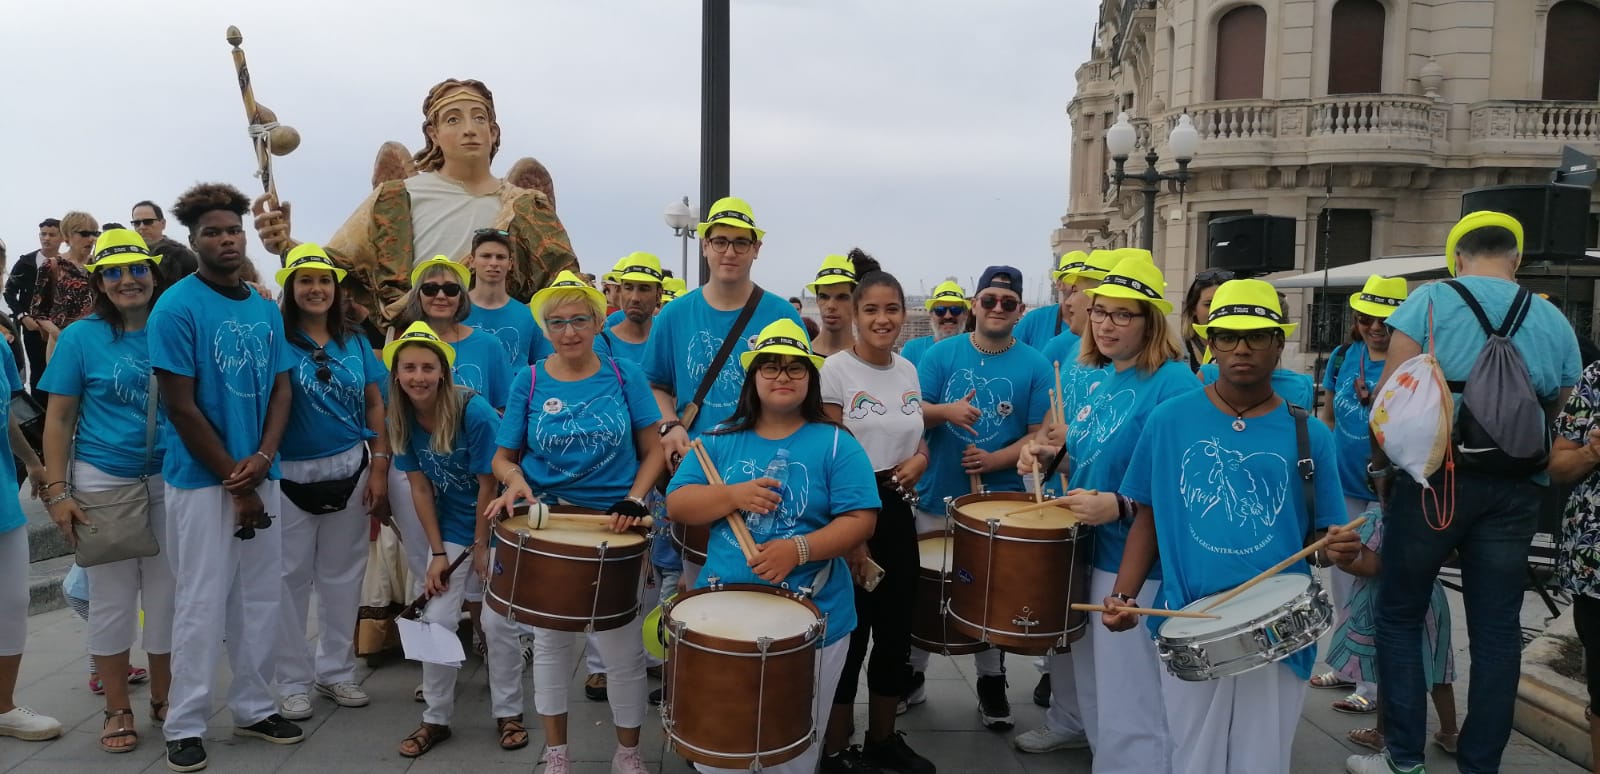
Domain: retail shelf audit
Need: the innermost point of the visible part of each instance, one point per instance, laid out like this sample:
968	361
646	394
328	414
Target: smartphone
875	575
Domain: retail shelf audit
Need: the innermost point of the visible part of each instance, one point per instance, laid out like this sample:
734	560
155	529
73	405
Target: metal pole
714	132
1151	181
683	239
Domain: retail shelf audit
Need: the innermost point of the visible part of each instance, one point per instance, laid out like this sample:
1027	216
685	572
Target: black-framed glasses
114	273
1121	318
948	311
320	357
87	233
1228	341
741	246
1007	305
579	323
794	369
1214	275
142	222
449	289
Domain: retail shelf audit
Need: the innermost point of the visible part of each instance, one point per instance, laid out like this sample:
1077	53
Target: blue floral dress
1578	562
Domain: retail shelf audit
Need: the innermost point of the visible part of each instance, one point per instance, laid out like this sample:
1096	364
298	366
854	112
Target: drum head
743	615
983	508
1261	600
935	552
571	534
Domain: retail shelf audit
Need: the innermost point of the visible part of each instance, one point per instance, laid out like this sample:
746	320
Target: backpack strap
1509	326
1305	465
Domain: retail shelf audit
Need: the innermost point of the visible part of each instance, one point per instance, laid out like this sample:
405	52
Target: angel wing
529	173
394	162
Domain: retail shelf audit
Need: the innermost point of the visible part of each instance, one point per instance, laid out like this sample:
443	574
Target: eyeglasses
114	273
1228	341
142	222
1214	275
1006	304
948	311
1367	320
740	246
1121	318
87	233
320	357
795	369
580	323
449	289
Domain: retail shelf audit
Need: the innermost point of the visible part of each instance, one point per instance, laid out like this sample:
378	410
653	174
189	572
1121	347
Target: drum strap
1306	466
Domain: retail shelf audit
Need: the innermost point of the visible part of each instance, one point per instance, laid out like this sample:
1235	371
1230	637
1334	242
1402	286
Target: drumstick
1060	398
741	532
543	518
417	603
1039	506
1038	489
1280	566
1085	608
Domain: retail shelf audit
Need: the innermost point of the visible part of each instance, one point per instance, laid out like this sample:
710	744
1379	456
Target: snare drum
930	617
567	578
692	541
741	668
1013	577
1263	625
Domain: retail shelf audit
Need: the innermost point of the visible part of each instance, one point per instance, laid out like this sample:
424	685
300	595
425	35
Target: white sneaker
1377	763
1043	740
345	694
25	724
556	762
627	761
295	706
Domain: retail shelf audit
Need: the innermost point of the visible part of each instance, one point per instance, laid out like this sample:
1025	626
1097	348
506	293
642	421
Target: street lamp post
1183	142
681	219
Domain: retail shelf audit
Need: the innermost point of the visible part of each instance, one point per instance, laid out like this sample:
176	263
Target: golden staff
269	137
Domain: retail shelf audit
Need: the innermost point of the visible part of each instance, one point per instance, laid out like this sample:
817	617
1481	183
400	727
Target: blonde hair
448	408
1159	347
78	221
563	296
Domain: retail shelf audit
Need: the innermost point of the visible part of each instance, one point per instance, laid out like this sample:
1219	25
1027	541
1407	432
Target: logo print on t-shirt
783	522
130	381
241	351
553	406
577	433
1347	408
448	472
990	395
1098	419
1247	492
470	375
510	338
703	347
333	391
911	403
863	403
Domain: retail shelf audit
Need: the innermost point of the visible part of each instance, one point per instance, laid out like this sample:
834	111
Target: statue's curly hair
206	197
431	157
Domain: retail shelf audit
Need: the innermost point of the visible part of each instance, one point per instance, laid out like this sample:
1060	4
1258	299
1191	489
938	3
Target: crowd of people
436	382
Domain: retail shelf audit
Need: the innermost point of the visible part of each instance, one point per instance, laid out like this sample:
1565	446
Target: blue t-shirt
455	475
1293	386
481	364
513	325
829	474
1013	392
110	376
1546	339
1228	504
1350	428
1105	425
685	339
233	350
577	444
1038	326
608	344
1064	349
328	417
914	349
10	507
615	317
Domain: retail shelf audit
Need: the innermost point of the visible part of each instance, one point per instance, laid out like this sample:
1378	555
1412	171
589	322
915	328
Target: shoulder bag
118	518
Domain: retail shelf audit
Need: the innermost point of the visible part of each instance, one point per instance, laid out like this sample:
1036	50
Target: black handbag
323	497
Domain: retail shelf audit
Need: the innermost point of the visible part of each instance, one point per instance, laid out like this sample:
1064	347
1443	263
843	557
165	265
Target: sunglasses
114	273
87	233
142	222
320	357
1367	320
449	289
1006	304
1214	275
948	311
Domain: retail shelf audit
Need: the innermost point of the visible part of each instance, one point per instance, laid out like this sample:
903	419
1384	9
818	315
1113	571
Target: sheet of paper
430	642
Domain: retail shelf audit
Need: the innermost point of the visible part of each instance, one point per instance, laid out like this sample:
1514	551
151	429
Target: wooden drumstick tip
235	37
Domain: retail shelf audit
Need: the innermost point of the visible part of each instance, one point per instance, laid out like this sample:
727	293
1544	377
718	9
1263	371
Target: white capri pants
622	650
830	665
438	680
13	589
989	662
1119	690
1243	724
228	590
328	552
118	590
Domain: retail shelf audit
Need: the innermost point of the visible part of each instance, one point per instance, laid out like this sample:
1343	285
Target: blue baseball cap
1003	277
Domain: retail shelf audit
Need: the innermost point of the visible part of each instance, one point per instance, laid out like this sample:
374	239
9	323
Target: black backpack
1502	428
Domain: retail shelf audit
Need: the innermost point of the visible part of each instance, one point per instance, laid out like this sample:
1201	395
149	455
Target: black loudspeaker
1554	216
1250	245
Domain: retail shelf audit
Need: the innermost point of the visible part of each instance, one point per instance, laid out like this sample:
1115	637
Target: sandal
513	736
158	712
107	734
1370	738
1355	704
137	675
1330	679
423	739
1446	742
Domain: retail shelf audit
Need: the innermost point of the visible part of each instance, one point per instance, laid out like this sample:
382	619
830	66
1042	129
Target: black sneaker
847	761
893	754
993	706
186	754
658	695
1041	692
273	729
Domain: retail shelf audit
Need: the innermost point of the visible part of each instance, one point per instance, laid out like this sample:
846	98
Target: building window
1571	58
1343	237
1241	53
1355	56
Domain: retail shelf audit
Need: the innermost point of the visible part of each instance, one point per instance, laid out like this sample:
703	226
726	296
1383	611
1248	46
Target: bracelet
639	501
1125	599
803	548
381	456
60	498
263	455
1125	507
46	487
439	553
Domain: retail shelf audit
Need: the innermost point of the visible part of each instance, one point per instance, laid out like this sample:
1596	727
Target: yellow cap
836	270
566	280
638	267
730	211
423	268
1075	260
1094	267
672	287
947	292
1473	221
1246	305
783	337
610	277
1380	296
1137	279
307	255
119	247
419	333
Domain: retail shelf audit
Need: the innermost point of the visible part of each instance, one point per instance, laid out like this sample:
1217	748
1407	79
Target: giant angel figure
410	218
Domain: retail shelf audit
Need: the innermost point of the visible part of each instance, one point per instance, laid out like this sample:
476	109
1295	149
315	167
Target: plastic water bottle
777	469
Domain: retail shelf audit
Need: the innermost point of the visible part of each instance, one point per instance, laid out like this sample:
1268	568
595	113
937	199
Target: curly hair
207	197
431	157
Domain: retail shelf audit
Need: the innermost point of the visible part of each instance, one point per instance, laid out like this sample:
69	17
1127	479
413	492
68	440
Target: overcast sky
932	133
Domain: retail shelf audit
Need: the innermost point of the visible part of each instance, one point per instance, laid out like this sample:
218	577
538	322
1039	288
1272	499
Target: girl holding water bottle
821	503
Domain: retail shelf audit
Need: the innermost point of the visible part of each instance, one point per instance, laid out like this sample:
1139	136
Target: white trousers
228	590
1119	690
119	590
830	665
988	663
438	680
1241	725
14	590
623	652
502	635
328	552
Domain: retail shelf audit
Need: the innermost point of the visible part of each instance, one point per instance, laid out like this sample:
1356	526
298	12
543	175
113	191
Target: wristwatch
666	427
